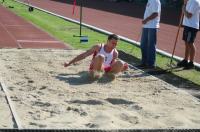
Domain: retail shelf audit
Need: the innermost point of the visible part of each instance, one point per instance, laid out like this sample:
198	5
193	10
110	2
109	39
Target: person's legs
184	62
97	63
189	35
96	66
186	37
191	45
191	55
187	51
117	67
151	53
143	46
192	52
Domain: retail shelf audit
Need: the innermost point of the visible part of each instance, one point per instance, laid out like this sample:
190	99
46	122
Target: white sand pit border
16	120
5	113
46	95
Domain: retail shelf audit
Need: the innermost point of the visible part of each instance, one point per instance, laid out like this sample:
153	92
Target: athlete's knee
121	65
100	57
117	67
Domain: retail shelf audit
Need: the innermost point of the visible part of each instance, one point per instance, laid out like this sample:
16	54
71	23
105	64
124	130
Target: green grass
64	31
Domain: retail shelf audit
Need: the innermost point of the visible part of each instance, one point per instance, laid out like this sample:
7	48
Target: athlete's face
112	43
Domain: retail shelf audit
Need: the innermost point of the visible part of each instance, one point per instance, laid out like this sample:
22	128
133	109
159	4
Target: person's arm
186	13
151	17
82	56
155	10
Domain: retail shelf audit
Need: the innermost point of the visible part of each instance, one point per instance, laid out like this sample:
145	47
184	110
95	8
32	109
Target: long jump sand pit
47	95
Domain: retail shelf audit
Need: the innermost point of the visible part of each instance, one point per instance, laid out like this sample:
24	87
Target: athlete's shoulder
97	47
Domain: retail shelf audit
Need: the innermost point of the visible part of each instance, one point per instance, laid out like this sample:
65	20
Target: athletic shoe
190	65
182	63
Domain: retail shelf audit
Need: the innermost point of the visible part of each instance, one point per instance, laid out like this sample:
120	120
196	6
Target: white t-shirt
153	6
193	6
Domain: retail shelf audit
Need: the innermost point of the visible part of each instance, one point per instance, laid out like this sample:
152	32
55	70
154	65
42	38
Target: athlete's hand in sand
66	64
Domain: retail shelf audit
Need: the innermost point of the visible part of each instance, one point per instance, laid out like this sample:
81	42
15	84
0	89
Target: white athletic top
153	6
108	56
193	6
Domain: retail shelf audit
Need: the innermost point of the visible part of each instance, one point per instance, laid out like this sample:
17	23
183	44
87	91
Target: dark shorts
189	34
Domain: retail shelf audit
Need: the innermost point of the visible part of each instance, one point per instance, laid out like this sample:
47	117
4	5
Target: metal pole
179	26
81	5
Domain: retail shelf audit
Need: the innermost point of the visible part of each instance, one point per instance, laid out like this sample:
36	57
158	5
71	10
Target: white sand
47	95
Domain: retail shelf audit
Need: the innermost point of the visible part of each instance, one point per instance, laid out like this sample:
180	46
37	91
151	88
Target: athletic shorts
189	34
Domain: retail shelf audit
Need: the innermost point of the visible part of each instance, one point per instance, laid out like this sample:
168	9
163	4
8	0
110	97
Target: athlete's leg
96	66
118	66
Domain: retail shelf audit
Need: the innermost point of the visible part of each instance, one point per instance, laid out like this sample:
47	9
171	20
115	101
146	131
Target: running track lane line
11	106
40	41
19	46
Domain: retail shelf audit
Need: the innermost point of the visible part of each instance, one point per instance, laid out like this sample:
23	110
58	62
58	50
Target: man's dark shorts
189	34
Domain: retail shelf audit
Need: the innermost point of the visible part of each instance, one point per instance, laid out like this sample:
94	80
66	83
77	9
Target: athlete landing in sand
105	58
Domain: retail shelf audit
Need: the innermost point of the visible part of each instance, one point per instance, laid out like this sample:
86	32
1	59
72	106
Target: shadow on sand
165	75
82	78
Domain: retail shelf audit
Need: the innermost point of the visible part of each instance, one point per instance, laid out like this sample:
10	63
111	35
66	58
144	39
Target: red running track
124	25
16	32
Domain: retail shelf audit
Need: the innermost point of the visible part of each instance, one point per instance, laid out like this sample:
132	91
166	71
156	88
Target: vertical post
81	5
177	34
82	38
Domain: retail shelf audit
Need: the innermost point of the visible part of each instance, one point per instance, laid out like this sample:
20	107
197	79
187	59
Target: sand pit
47	95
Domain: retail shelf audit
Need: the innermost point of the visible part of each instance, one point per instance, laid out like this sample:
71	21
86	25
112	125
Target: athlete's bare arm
82	56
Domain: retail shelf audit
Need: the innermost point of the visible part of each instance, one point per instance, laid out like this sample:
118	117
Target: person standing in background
191	11
149	33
